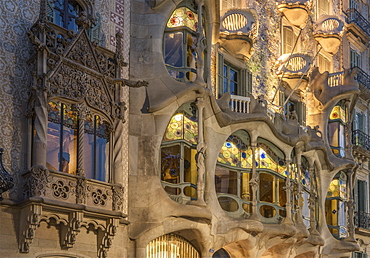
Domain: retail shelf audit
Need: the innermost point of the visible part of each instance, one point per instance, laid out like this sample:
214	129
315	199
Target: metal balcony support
353	16
362	219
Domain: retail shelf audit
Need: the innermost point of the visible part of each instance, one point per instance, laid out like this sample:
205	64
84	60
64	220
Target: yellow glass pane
183	16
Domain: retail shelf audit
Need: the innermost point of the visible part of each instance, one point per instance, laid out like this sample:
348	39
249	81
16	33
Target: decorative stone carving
61	189
37	181
70	232
81	190
328	32
30	219
100	197
82	53
6	180
105	238
117	198
295	11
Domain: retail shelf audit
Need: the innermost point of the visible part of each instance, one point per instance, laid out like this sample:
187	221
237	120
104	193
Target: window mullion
61	136
182	162
94	157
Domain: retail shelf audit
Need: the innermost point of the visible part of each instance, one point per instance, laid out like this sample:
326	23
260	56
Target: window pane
245	188
53	137
305	209
191	55
68	161
173	49
333	134
101	156
89	147
226	181
170	164
267	211
281	192
266	189
190	171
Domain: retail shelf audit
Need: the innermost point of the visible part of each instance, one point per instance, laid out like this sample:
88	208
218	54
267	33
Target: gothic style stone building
184	128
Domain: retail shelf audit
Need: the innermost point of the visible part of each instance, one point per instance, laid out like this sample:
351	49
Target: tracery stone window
171	245
64	13
336	128
64	135
335	206
178	166
179	46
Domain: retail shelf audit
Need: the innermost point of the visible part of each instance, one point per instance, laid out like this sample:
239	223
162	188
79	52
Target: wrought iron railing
361	139
362	219
354	16
362	77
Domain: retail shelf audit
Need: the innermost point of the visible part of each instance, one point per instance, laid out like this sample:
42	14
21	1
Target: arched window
171	245
180	39
178	165
233	172
63	137
64	13
336	128
272	173
335	206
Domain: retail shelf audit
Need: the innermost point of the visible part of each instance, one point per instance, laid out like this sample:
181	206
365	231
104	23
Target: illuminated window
335	206
180	39
171	245
336	129
64	13
62	151
232	175
178	165
324	63
232	79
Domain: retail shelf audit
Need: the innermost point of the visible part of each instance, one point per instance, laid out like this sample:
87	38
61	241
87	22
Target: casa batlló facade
191	128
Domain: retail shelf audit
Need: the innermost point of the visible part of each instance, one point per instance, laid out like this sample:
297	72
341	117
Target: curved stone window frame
177	162
88	151
337	123
171	245
179	45
336	203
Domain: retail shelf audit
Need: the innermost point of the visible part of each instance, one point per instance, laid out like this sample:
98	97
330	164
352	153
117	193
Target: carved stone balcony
328	32
296	12
238	28
293	68
358	24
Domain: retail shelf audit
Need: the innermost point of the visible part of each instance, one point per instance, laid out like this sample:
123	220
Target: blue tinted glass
173	49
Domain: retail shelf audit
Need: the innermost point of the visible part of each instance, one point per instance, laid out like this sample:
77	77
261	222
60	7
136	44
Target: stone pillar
350	205
200	45
201	149
288	190
83	112
254	183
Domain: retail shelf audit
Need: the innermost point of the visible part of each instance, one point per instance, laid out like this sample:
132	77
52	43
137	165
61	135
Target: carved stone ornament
30	220
6	180
81	52
117	198
81	191
37	181
105	238
75	84
70	231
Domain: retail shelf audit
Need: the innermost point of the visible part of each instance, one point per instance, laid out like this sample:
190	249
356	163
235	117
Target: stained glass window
305	174
183	16
336	129
235	153
182	127
338	112
267	158
179	44
179	172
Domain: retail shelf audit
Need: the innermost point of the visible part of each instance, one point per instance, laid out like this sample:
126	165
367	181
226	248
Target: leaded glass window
178	166
336	128
335	206
233	174
179	46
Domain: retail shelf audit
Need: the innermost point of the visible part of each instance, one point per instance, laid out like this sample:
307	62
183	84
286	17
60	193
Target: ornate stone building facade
184	128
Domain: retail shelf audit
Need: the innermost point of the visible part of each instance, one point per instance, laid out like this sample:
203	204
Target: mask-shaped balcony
328	32
293	69
237	30
296	12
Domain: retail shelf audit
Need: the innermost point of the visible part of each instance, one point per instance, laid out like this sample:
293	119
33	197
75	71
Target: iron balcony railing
362	78
361	139
353	16
362	219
